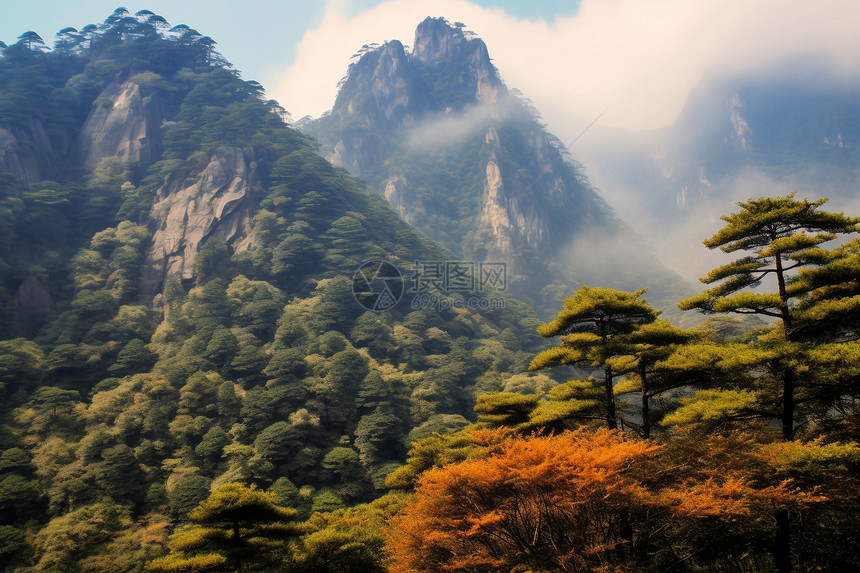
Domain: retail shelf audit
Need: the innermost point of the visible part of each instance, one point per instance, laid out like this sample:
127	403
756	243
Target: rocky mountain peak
382	74
388	90
436	41
446	70
440	44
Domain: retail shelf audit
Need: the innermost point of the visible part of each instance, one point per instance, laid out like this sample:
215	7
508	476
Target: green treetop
593	326
779	235
782	234
238	528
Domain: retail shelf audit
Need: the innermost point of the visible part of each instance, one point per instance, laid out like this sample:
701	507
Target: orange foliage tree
600	500
543	502
741	501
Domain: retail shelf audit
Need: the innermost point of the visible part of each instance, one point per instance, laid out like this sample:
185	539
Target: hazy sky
636	59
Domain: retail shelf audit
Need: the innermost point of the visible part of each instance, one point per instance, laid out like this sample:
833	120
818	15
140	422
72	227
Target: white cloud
448	128
308	86
637	59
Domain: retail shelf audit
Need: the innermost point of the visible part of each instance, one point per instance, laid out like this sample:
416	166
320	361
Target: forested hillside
177	299
221	353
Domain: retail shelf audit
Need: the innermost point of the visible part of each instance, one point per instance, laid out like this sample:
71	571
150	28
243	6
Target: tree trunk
787	404
610	399
646	425
787	374
781	550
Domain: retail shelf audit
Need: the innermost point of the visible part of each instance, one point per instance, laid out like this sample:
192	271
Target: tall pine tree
779	235
593	326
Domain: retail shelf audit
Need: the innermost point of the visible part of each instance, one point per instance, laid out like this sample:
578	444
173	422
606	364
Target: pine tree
649	344
781	235
593	326
238	527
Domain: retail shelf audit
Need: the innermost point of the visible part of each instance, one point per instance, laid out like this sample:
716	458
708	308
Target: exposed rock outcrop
396	193
387	84
125	127
33	305
437	44
218	203
26	151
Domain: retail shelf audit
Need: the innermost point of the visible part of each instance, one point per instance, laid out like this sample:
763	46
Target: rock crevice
218	203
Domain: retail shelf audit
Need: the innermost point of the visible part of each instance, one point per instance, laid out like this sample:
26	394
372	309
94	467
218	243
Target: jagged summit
438	44
389	89
456	64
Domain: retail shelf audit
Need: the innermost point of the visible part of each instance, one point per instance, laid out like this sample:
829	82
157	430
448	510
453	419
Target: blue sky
636	59
259	36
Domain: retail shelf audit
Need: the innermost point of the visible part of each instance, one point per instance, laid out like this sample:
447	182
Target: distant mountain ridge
785	120
468	161
791	126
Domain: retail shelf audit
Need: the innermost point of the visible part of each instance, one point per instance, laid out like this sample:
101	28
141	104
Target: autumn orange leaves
540	501
588	500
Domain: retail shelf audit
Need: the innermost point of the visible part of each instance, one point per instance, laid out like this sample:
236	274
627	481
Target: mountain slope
792	126
183	303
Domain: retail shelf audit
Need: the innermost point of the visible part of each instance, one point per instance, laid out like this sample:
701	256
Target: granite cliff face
389	104
218	203
439	135
26	151
125	124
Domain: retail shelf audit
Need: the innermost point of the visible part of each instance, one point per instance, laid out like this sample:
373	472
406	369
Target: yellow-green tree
237	528
647	346
780	236
593	327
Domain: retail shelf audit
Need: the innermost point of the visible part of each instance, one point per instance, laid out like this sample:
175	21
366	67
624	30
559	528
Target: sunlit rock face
217	203
124	124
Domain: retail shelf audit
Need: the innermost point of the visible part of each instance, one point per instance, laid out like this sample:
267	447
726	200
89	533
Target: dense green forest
235	407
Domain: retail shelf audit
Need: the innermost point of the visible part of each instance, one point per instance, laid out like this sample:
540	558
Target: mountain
791	126
790	122
467	161
190	295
